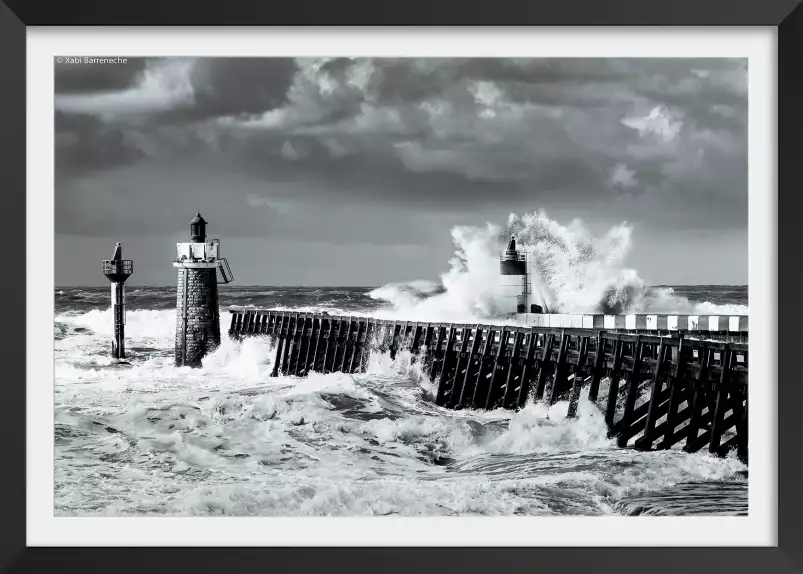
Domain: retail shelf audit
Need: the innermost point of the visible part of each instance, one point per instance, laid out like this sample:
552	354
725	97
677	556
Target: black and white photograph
409	286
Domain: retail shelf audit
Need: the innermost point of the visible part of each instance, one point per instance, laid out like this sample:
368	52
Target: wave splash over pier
572	271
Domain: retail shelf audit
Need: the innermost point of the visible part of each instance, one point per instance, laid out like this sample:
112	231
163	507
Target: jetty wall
658	388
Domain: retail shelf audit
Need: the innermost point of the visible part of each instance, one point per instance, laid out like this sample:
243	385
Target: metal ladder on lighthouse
225	271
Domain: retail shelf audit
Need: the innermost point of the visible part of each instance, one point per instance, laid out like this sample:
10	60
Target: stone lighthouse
197	312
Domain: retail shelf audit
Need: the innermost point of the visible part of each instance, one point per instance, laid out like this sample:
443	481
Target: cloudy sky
352	172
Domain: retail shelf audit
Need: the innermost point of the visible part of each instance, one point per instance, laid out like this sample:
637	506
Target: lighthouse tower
516	285
514	279
197	312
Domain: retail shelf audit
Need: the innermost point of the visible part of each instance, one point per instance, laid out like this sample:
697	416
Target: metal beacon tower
117	270
197	312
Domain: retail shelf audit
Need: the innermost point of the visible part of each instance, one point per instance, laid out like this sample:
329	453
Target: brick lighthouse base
197	315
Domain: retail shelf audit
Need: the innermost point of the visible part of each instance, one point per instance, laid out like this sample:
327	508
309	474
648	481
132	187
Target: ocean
148	438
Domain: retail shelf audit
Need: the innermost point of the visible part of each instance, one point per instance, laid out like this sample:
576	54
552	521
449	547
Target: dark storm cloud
235	87
271	146
85	143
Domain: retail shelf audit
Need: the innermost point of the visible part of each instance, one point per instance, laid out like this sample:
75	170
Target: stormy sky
353	171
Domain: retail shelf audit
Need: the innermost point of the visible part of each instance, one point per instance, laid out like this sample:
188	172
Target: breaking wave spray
571	270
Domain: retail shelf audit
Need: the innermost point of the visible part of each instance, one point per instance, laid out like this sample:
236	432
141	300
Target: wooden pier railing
658	391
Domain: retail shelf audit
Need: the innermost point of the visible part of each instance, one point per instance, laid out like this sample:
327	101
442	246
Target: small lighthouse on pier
197	313
516	283
117	270
514	280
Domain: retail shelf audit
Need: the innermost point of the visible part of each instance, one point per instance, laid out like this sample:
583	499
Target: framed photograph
454	294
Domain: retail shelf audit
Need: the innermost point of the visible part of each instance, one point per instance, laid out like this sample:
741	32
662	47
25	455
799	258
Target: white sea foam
140	324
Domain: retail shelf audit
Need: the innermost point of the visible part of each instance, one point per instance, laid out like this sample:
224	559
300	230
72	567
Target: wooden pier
657	390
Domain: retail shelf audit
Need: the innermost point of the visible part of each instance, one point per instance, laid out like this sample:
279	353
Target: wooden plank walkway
661	391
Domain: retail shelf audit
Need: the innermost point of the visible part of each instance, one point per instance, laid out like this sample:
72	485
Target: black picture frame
787	15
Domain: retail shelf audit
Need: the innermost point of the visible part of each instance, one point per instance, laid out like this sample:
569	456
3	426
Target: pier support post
699	396
677	392
346	345
514	364
446	367
596	374
279	346
429	352
559	375
632	392
721	402
645	442
527	371
499	365
579	379
613	386
461	374
544	367
288	343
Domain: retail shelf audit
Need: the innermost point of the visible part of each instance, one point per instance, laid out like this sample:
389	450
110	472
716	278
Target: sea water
227	439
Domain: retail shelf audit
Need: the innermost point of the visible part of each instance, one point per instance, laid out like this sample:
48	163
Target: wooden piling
634	380
559	375
527	370
722	395
596	373
429	352
415	344
513	376
498	371
303	346
615	376
645	442
474	365
316	345
438	338
394	340
329	348
444	386
677	394
485	390
463	366
279	348
344	344
544	367
697	402
579	379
